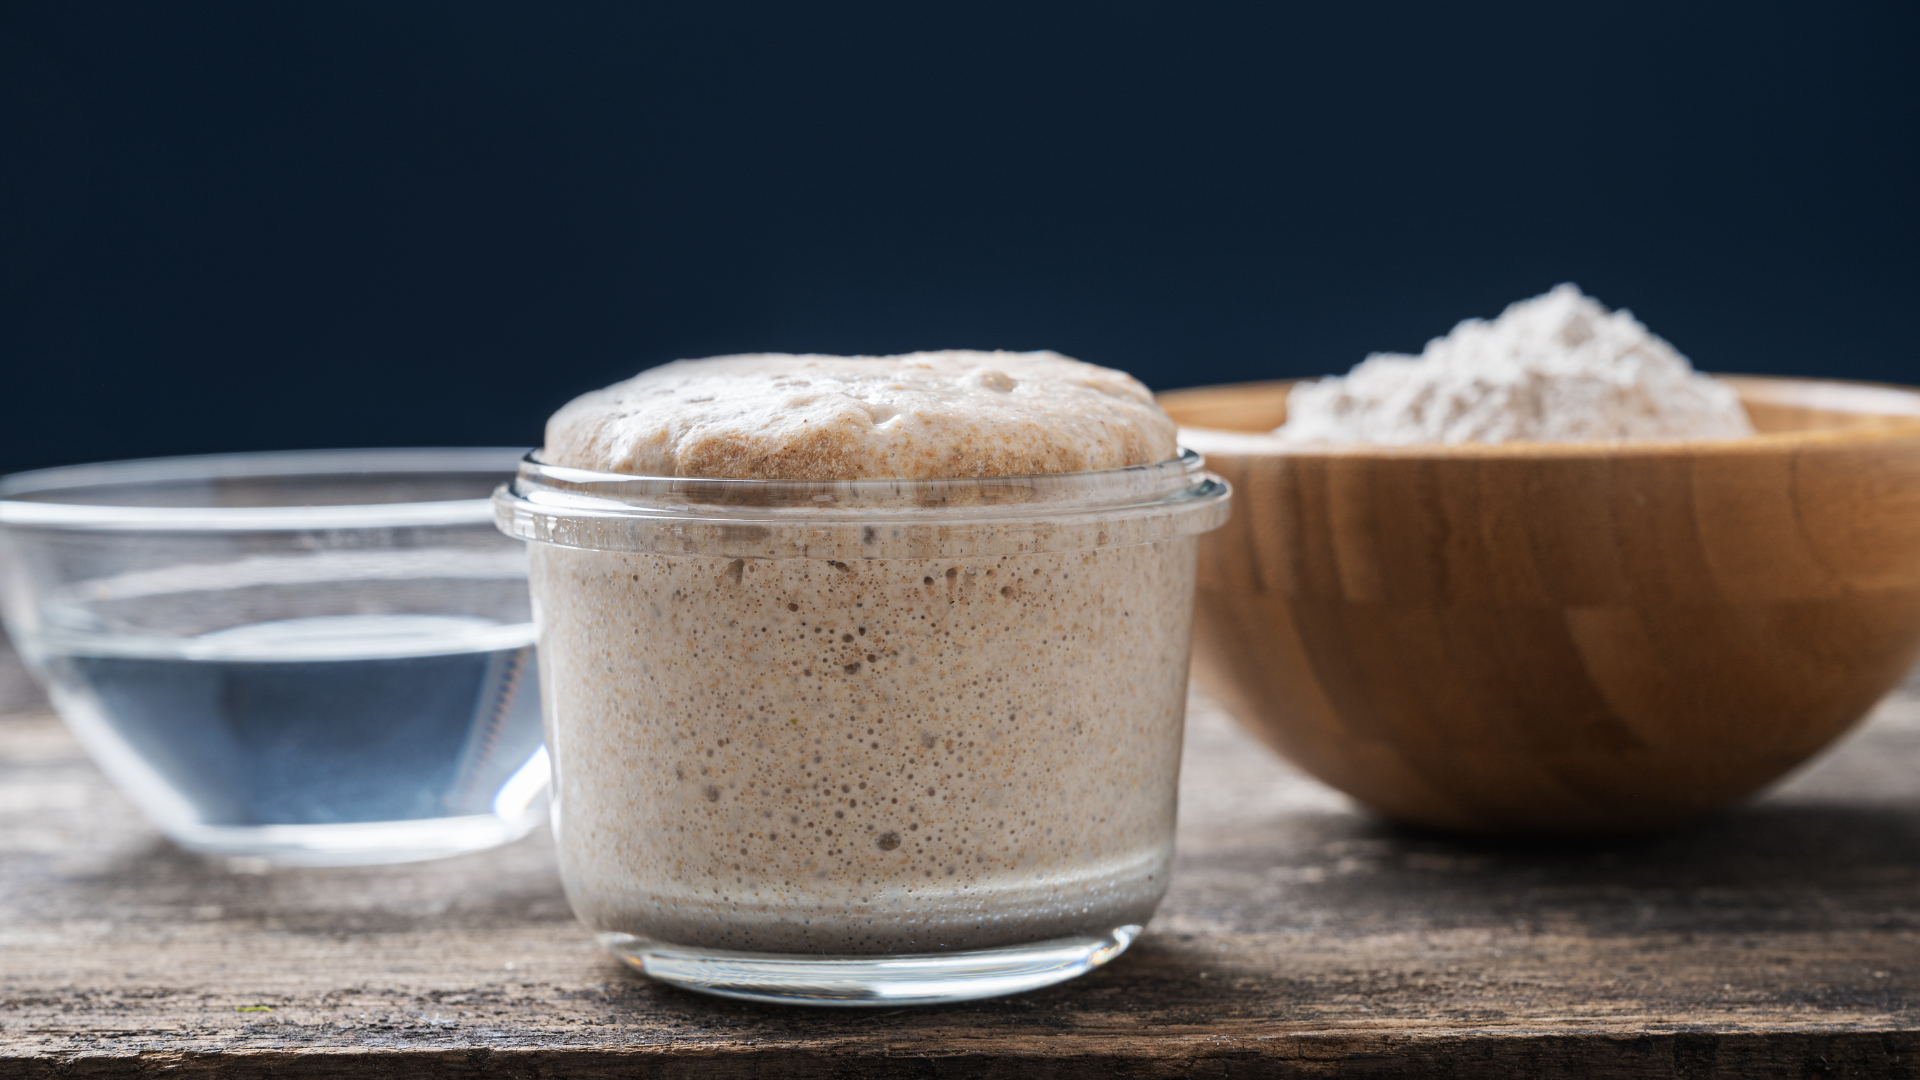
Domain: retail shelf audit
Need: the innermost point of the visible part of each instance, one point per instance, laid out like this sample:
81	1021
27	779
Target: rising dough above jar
921	416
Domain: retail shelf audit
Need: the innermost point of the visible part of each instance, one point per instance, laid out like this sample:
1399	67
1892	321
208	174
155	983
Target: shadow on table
514	886
1774	867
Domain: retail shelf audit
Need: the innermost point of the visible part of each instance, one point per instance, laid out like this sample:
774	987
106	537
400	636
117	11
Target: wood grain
1569	638
1301	938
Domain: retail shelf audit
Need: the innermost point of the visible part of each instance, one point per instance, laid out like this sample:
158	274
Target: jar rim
622	512
589	492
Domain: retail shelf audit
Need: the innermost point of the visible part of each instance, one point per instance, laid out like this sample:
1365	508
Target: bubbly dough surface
920	416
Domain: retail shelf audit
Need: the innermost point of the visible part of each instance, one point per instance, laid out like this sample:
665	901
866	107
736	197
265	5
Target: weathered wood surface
1301	938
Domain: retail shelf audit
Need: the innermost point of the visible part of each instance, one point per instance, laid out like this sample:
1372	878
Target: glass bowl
312	657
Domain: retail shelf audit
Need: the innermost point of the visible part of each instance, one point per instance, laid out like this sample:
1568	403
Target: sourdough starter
868	755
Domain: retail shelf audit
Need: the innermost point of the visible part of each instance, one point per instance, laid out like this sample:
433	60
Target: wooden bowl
1561	638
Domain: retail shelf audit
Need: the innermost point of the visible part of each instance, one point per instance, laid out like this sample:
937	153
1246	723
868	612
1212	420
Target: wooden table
1301	938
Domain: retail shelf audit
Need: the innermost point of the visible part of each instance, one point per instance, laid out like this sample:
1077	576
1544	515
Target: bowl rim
16	512
1838	395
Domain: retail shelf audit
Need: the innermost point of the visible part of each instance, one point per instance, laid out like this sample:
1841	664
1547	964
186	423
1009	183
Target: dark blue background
253	225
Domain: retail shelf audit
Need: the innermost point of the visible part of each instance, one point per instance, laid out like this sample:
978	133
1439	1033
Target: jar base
904	979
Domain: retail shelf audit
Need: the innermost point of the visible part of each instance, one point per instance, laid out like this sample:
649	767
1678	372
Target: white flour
1556	368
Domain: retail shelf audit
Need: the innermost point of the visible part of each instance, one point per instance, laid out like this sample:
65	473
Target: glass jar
315	658
864	742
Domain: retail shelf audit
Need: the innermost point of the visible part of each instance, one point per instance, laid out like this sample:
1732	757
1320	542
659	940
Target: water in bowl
333	738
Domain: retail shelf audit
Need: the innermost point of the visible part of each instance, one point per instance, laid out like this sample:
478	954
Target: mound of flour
1556	368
